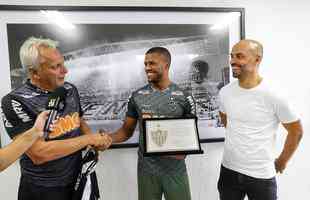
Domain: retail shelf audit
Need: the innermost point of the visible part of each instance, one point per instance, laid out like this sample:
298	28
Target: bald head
246	57
253	46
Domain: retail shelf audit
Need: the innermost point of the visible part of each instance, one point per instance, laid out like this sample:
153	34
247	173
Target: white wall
282	27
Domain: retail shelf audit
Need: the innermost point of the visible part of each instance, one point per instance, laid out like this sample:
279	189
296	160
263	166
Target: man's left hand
280	165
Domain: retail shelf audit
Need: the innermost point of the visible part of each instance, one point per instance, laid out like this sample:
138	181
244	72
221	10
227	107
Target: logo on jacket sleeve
20	112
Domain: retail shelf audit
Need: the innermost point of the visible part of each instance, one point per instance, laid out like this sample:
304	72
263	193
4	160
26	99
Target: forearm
14	150
119	136
290	146
125	132
56	149
223	119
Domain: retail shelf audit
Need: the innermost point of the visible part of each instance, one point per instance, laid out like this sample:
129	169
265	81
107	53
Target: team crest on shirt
172	104
159	135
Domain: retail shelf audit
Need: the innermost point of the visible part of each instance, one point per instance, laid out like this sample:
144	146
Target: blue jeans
234	186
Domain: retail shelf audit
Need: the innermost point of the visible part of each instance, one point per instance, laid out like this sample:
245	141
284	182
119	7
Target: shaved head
252	45
246	57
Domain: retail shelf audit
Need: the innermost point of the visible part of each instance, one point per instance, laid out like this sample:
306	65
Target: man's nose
232	62
64	70
147	67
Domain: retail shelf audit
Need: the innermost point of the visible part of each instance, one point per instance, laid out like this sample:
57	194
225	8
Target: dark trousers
29	191
234	186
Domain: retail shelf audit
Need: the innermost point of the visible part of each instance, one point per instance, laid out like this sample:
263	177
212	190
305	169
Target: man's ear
167	66
33	73
258	59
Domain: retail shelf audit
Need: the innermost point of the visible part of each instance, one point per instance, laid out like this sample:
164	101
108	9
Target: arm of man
86	130
126	131
294	135
14	150
222	112
223	117
129	125
17	120
43	151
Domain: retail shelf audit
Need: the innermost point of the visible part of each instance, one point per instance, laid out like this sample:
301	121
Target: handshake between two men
100	140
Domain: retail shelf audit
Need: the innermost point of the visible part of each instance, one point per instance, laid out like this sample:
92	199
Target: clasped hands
102	141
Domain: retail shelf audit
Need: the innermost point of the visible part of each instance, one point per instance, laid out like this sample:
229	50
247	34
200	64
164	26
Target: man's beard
238	74
156	79
158	76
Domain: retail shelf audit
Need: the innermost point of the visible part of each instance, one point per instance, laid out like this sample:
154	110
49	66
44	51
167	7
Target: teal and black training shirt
170	103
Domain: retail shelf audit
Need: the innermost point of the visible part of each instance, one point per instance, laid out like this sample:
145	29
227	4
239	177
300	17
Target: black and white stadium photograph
106	63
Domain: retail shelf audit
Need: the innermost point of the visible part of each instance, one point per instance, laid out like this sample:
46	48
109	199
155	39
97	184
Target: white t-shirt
253	117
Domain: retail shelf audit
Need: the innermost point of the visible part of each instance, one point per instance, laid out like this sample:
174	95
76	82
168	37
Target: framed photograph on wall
104	52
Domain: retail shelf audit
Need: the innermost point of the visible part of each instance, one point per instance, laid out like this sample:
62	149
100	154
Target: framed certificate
171	136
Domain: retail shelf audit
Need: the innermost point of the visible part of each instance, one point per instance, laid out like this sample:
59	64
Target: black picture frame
174	12
147	151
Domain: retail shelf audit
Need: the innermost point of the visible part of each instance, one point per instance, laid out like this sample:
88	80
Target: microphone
53	104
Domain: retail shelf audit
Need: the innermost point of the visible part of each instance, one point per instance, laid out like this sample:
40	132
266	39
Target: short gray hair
29	52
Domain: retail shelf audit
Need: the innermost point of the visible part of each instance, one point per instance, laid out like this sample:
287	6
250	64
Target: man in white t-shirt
251	112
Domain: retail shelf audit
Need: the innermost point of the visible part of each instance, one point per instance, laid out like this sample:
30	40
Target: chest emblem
172	104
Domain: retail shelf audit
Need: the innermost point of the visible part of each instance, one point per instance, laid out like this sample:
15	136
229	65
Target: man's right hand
99	140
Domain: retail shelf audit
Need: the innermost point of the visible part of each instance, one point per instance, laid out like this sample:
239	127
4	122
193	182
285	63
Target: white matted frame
109	41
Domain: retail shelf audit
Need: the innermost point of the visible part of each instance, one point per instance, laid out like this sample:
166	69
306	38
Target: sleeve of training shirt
132	108
16	117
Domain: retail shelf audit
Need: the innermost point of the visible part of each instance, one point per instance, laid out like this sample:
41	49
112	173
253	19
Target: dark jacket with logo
20	109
